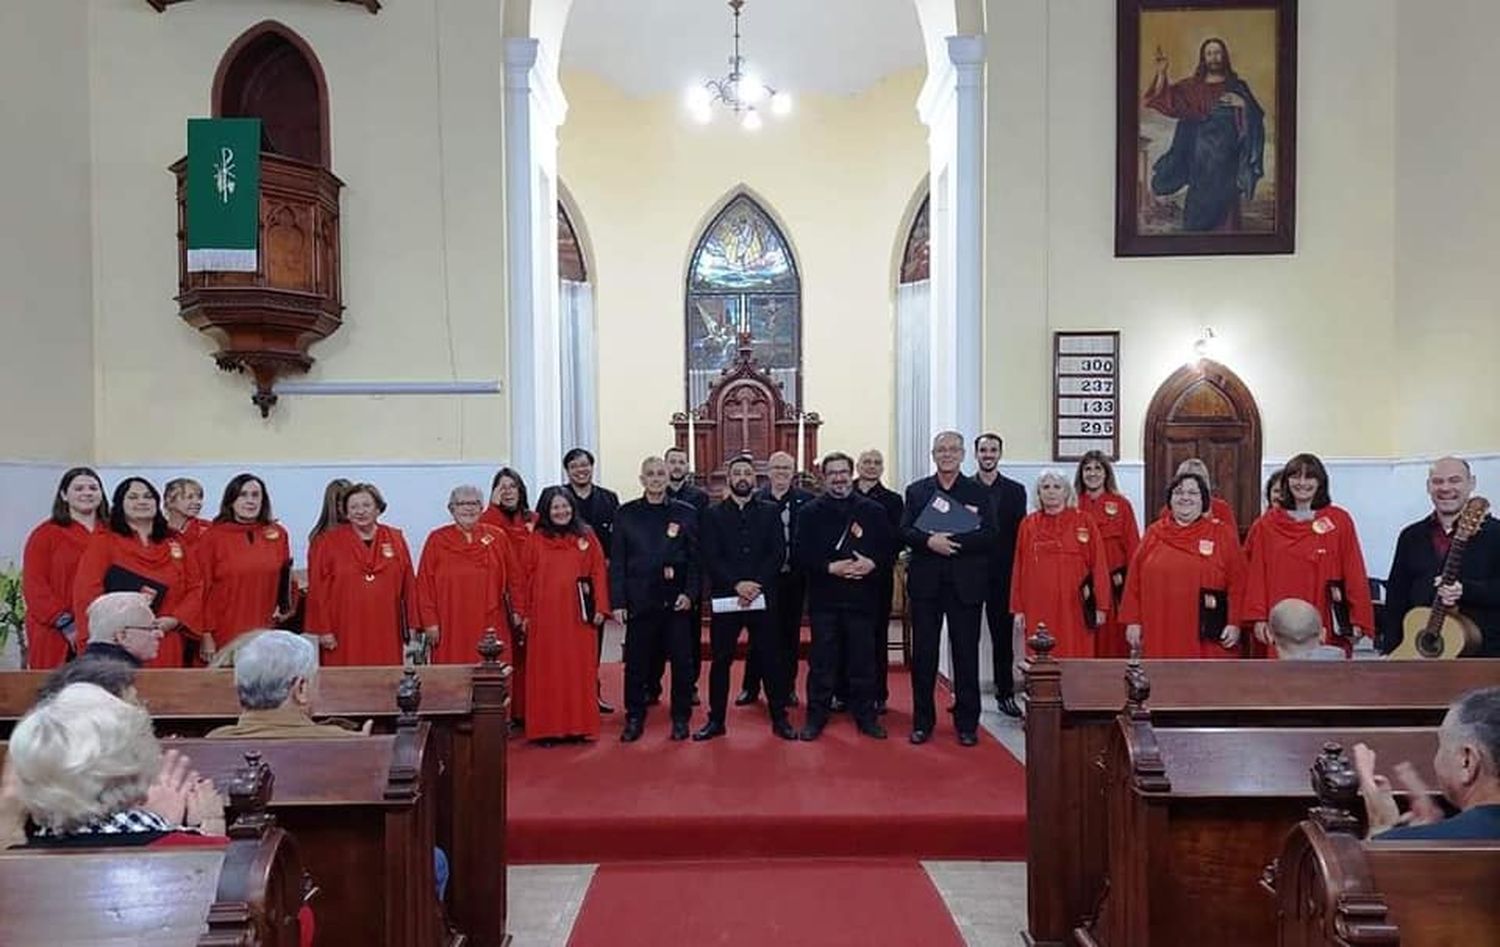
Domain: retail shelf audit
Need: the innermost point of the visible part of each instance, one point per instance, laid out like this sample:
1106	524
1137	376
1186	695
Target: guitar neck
1452	563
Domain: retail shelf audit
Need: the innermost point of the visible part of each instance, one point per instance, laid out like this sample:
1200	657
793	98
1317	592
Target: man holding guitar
1449	560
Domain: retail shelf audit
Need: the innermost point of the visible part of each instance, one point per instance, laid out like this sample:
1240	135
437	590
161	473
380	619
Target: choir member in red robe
364	590
245	557
511	512
1308	549
1060	578
1186	586
1099	496
463	582
329	518
183	501
562	663
1218	508
50	563
140	553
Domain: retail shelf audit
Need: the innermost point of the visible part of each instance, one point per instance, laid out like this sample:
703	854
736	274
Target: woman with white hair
465	582
89	772
1061	577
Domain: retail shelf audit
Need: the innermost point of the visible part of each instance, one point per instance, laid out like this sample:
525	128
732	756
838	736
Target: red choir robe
193	531
48	567
1298	559
364	594
562	665
519	528
168	562
1115	518
1218	508
463	585
1172	569
242	568
1055	556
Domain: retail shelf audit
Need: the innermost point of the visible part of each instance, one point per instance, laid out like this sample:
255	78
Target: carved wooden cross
749	410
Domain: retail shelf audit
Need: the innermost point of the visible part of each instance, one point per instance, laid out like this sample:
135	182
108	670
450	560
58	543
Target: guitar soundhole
1430	645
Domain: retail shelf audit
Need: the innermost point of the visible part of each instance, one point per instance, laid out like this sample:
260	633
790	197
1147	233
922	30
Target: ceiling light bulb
781	104
698	97
752	90
751	121
702	114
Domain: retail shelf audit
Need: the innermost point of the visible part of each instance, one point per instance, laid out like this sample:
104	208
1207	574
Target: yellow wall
839	174
46	336
1447	227
415	99
1313	334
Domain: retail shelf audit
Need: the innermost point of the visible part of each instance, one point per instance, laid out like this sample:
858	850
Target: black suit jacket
830	529
790	503
1416	564
599	512
741	544
1009	499
968	570
652	539
691	494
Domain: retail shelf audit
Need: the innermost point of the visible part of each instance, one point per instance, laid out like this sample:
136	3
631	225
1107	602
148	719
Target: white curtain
913	382
579	372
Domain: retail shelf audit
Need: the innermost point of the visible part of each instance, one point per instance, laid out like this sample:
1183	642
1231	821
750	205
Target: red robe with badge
562	664
1055	555
364	594
1172	569
1115	518
48	567
462	586
168	562
1218	508
519	529
193	531
242	565
1297	559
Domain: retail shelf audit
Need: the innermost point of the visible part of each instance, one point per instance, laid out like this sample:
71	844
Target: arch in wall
1204	410
271	73
577	328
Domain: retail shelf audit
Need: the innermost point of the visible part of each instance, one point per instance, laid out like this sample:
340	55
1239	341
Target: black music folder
943	514
586	600
1338	610
1213	613
121	579
1090	607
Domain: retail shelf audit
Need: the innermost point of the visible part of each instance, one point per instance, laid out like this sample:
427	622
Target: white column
534	108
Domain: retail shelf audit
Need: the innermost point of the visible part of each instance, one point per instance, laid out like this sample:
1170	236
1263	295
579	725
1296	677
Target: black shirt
1009	500
691	494
830	529
598	510
741	543
967	570
1417	562
787	506
655	555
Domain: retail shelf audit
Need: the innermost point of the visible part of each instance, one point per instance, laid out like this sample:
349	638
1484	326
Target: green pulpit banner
223	194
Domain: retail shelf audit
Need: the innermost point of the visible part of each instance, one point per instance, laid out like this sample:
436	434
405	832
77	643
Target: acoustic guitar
1440	631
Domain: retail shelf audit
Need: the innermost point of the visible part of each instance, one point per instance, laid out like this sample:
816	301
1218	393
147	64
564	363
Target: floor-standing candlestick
801	438
692	448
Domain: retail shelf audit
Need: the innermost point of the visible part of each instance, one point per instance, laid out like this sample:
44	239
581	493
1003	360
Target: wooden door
1205	411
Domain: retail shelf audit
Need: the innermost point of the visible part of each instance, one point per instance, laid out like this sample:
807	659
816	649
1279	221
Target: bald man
1418	562
1297	629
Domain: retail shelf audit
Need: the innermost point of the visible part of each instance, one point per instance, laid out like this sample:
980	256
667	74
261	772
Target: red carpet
757	903
750	794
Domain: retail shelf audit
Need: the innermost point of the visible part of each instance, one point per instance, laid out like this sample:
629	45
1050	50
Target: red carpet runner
757	903
750	794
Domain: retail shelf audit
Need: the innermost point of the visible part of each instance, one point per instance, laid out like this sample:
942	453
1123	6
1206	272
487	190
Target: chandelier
741	91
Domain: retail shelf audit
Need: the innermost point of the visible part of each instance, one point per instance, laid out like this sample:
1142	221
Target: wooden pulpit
745	412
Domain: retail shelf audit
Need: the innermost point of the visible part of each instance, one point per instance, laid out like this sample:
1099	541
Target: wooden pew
1193	814
1073	706
1331	888
246	893
467	708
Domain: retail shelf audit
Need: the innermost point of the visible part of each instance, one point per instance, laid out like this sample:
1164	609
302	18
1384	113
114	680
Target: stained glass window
569	254
743	279
915	262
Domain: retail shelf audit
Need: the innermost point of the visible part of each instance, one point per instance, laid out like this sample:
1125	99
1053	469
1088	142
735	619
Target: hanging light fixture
741	91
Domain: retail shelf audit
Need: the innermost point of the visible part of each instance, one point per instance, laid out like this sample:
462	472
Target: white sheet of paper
731	603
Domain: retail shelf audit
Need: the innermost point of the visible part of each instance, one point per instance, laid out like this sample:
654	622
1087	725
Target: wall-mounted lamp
1207	345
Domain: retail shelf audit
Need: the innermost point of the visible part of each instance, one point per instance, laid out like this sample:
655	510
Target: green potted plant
12	609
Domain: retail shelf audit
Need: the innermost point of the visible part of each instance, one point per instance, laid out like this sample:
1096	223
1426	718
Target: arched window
916	263
913	350
580	374
743	278
270	73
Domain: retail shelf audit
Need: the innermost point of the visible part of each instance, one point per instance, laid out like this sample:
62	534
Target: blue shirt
1478	823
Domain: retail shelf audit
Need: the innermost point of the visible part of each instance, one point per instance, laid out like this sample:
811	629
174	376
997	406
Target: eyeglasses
468	504
147	628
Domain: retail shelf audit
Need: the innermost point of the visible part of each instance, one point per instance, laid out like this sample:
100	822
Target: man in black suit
680	485
870	469
1421	548
843	540
743	551
791	584
597	507
1009	500
653	577
947	578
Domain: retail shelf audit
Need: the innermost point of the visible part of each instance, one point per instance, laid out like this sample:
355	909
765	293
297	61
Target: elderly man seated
1467	764
1297	629
122	626
276	677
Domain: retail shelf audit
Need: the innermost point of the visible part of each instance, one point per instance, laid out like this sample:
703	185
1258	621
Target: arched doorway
1204	410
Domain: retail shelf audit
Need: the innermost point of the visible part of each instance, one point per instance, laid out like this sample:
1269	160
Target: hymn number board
1085	394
